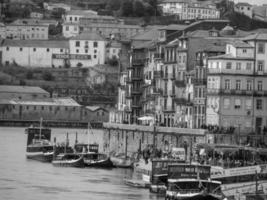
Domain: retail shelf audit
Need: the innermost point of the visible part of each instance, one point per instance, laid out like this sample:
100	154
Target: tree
139	9
113	5
47	76
127	8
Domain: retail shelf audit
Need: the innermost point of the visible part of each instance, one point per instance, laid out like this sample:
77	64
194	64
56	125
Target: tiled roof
147	35
81	12
88	36
48	102
230	57
256	36
21	89
94	108
240	44
33	22
174	27
242	4
36	43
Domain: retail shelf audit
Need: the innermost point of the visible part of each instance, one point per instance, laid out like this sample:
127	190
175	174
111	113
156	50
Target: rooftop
88	36
242	4
21	89
240	44
36	43
174	27
256	36
81	12
94	108
33	22
147	35
48	102
230	57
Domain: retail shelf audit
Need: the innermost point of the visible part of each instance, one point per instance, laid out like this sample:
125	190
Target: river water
24	179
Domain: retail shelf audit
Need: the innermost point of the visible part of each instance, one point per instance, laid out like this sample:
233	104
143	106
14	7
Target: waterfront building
22	92
74	16
53	109
95	114
56	6
31	29
87	50
236	86
187	10
35	53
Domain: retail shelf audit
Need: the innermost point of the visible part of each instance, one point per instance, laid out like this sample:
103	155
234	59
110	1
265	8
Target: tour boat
192	182
68	160
39	146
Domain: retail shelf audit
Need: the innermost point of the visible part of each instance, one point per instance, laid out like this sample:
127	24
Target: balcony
172	76
158	55
157	91
136	105
199	62
148	83
128	80
122	87
199	81
236	92
136	91
138	62
180	83
158	74
128	95
183	101
169	109
262	93
137	77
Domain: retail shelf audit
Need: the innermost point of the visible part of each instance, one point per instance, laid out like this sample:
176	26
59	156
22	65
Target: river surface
31	180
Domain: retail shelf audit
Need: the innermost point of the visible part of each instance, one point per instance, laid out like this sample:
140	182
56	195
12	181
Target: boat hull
106	163
69	163
40	156
195	197
121	162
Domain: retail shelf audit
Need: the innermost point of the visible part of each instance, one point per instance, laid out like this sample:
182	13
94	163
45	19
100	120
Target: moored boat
192	182
122	161
68	160
39	146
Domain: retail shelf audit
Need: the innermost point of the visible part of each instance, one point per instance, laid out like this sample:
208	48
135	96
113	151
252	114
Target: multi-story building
87	49
26	29
187	10
74	16
113	49
244	8
56	6
35	53
236	93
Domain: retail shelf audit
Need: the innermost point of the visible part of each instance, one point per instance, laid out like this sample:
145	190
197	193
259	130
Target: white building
186	10
113	50
87	49
2	30
244	8
25	29
73	16
35	53
54	6
70	29
37	15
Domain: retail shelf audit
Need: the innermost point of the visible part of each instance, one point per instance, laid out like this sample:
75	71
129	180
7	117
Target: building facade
35	53
189	10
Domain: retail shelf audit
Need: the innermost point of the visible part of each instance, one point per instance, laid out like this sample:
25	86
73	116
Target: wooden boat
68	160
39	146
91	157
137	183
122	161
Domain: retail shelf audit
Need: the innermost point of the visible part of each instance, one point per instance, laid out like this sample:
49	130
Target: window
75	28
47	49
226	103
94	56
259	85
238	66
42	107
95	51
258	104
237	103
261	47
77	43
227	84
70	18
238	84
249	66
34	107
34	49
244	51
7	48
248	104
249	85
77	50
260	65
86	50
61	50
67	28
20	48
95	44
228	65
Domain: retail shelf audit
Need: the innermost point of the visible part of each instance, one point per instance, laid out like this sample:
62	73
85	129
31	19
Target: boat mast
40	133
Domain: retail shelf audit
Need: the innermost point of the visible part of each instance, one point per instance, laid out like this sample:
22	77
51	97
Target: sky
256	2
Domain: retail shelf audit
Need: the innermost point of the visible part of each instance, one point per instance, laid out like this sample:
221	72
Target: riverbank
52	124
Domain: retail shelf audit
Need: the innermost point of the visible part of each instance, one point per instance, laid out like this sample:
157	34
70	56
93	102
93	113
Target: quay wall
114	140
